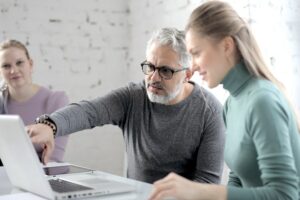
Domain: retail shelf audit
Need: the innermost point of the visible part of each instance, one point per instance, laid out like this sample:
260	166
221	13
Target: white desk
142	189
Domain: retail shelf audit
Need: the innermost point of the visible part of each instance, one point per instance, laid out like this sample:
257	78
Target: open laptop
26	172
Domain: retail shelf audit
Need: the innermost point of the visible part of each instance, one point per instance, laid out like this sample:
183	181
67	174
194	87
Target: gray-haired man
169	124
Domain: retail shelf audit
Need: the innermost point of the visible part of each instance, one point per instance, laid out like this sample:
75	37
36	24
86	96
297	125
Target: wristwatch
45	119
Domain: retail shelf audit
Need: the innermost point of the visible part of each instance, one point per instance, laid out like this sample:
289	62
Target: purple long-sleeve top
44	101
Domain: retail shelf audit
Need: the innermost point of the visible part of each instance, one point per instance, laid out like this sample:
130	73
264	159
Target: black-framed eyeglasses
164	72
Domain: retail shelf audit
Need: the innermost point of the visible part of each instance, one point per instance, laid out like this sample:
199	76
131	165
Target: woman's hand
43	135
175	187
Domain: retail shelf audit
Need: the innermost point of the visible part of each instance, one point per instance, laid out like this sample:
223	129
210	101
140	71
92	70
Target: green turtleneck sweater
262	140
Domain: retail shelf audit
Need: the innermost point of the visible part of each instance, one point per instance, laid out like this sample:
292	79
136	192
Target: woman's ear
188	75
31	65
228	45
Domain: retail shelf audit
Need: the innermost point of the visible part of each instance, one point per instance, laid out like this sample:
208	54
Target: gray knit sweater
186	138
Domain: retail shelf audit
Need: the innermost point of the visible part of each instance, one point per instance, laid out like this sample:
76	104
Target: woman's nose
194	66
13	69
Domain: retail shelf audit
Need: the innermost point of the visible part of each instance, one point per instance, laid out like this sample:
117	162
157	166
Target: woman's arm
174	186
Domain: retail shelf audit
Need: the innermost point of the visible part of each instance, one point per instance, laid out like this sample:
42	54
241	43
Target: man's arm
109	109
210	158
79	116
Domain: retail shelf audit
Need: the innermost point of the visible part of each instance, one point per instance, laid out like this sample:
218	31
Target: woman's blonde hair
218	20
14	43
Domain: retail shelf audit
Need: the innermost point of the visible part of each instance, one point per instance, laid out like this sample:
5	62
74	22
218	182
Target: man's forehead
163	54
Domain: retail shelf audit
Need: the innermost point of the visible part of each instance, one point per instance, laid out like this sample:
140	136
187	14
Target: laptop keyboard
61	186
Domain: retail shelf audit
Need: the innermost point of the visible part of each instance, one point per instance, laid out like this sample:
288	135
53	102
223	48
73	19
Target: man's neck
184	93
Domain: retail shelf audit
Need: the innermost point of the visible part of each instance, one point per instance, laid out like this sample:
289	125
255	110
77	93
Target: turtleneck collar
236	78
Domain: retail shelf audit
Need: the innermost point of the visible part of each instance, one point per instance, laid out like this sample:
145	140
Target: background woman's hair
217	20
13	43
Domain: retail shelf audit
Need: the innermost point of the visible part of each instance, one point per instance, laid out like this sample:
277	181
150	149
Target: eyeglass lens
163	71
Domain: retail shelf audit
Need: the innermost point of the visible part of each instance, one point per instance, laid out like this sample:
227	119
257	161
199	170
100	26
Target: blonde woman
20	96
262	141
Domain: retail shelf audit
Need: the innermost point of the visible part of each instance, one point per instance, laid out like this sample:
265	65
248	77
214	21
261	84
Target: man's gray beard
164	99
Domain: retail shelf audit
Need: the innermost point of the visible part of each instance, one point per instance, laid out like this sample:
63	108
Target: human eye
166	71
150	67
19	62
5	66
196	53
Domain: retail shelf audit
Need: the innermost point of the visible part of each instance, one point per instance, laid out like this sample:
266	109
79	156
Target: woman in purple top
20	96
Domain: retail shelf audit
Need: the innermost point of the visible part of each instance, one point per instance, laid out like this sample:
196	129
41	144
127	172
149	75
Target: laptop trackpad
94	181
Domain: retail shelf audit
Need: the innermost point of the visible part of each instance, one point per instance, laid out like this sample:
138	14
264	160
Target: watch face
45	117
42	118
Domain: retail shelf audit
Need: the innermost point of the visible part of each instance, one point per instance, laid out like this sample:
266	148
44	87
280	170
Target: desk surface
142	189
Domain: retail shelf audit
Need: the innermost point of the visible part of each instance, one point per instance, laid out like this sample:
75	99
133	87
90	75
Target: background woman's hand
42	134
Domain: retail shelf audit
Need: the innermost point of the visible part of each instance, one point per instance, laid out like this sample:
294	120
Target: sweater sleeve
1	104
210	156
233	180
55	101
3	101
268	126
87	114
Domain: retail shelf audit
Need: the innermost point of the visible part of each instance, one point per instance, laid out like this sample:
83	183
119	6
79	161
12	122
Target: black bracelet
45	119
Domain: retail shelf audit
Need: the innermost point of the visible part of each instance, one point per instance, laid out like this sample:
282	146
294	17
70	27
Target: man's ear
188	75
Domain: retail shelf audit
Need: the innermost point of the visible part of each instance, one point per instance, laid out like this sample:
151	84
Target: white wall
275	23
277	28
89	47
80	47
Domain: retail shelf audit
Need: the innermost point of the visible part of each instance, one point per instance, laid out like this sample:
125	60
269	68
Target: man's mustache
157	85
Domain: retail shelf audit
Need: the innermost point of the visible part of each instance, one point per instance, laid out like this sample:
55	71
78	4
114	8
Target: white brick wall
80	47
89	47
275	23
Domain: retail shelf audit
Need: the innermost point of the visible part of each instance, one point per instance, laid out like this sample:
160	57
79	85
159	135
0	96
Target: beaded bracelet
44	119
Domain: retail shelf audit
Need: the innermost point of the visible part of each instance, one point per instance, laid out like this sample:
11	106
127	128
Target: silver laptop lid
20	159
